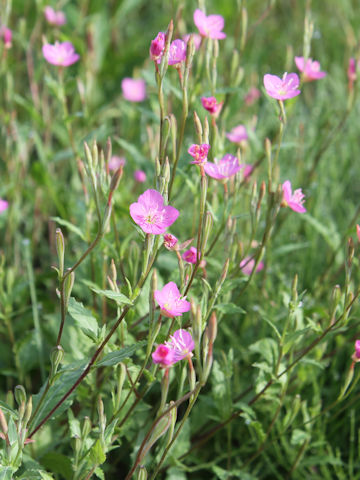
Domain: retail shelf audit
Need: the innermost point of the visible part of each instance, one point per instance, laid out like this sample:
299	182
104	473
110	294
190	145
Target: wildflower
196	39
211	105
356	355
163	355
282	89
293	200
170	301
133	89
237	134
116	162
225	168
6	35
61	54
209	26
248	169
247	265
54	17
170	241
199	153
4	205
157	46
140	176
150	213
190	255
252	95
311	69
351	72
177	52
358	232
182	345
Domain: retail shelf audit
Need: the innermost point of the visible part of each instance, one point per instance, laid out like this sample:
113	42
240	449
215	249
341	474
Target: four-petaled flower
163	355
247	265
225	168
170	301
209	26
311	69
177	52
150	213
116	162
211	105
199	153
282	88
3	205
238	134
133	89
61	54
356	355
140	176
54	17
180	346
6	35
190	255
293	200
157	46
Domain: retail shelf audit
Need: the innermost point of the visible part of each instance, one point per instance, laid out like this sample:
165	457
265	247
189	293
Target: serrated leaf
118	356
84	318
97	454
69	226
119	298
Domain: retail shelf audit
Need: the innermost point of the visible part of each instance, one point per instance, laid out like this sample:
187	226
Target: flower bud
86	429
198	128
60	249
68	286
56	356
3	423
142	473
20	394
160	428
28	411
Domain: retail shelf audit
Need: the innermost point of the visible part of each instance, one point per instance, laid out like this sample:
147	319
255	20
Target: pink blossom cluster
212	105
180	346
177	49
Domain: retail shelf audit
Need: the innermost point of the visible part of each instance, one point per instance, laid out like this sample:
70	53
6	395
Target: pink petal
200	20
299	61
272	82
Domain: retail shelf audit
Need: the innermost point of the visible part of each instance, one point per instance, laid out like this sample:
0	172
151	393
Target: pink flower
190	255
293	200
116	162
157	46
211	105
196	39
238	134
311	69
164	355
61	54
4	205
169	301
150	213
247	265
284	88
199	153
170	241
177	52
182	345
6	35
53	17
210	26
358	232
248	168
356	355
140	176
252	95
133	89
225	168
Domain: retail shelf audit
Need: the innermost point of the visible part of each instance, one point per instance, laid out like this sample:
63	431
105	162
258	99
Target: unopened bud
86	429
212	328
113	272
60	249
108	151
141	473
159	429
244	25
102	417
95	154
20	394
88	156
115	180
350	253
28	411
68	286
207	230
198	127
3	423
166	170
56	356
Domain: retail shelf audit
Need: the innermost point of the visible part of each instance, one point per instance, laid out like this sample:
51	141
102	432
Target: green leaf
97	454
69	226
298	437
6	473
58	463
119	298
230	308
84	318
12	432
5	408
118	356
